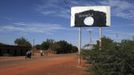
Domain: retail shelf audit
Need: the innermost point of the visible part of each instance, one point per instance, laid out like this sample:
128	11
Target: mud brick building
12	50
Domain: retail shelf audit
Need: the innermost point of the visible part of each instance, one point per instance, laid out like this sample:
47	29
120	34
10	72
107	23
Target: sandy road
50	65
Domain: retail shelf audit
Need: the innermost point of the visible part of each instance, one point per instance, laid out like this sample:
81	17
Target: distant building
88	46
12	50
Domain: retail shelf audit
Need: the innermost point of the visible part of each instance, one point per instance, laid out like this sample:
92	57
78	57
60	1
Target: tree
47	44
50	43
55	47
59	47
22	42
65	47
38	47
1	44
107	44
74	49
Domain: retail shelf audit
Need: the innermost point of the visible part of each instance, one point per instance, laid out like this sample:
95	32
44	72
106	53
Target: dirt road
46	65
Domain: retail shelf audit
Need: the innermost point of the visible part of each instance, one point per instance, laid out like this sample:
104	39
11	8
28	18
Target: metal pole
33	42
100	38
79	57
33	47
116	38
90	34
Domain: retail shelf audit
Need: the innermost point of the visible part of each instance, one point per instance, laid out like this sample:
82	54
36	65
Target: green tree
55	47
65	47
50	43
62	46
22	42
107	44
47	44
38	47
74	49
59	47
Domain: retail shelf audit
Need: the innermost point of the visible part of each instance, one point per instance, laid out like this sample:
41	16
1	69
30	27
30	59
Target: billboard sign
90	16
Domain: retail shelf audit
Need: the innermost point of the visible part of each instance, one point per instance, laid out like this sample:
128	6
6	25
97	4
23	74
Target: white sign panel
90	16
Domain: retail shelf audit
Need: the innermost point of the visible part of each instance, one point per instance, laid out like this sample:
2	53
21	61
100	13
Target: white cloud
20	23
120	32
59	8
120	8
32	27
53	8
47	12
82	3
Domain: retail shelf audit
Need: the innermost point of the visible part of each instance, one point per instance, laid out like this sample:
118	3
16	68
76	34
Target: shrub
117	60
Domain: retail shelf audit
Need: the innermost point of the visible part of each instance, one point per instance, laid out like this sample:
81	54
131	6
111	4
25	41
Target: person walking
41	52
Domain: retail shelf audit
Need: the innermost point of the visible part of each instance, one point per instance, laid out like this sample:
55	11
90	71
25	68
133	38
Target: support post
79	47
90	35
33	47
100	38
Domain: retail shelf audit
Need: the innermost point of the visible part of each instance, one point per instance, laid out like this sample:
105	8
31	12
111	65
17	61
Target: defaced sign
90	16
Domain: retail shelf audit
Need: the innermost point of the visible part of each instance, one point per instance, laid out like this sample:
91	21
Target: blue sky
42	19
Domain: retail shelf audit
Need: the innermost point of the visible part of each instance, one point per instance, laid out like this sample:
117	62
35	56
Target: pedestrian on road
41	52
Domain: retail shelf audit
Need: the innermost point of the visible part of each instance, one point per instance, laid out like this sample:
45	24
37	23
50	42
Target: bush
117	60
